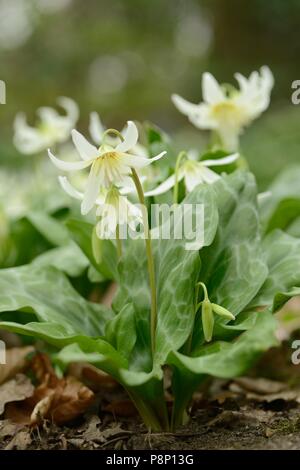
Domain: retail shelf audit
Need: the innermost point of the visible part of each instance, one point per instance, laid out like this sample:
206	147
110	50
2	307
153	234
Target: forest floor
260	411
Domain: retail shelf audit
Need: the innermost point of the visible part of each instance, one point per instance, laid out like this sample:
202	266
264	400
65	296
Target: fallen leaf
92	432
60	400
16	389
21	441
123	408
260	385
7	428
16	361
95	378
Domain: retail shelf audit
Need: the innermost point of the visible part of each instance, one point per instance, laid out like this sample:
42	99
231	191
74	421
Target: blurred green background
124	58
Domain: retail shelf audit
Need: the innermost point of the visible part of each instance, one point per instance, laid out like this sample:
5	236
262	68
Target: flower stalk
150	260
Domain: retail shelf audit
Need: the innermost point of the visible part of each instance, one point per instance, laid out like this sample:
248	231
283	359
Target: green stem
177	167
151	270
188	345
119	242
114	132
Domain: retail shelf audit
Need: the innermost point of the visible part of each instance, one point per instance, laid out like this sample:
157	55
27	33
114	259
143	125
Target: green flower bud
207	319
223	312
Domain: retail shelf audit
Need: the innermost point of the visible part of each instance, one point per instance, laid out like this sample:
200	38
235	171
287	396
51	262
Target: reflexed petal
184	106
27	139
70	107
193	178
96	128
131	136
68	166
139	162
92	191
69	189
209	176
165	186
211	90
221	161
204	118
86	150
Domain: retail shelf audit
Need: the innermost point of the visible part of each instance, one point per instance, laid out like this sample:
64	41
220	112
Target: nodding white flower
228	110
52	127
113	208
193	173
97	130
116	210
109	165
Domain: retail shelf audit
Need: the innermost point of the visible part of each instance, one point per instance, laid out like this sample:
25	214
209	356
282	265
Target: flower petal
70	107
131	136
69	189
209	176
86	150
68	166
96	128
92	191
139	162
211	90
221	161
184	106
164	187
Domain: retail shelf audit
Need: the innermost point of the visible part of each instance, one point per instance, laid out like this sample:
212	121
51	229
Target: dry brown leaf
123	408
260	385
60	400
16	361
16	389
20	442
71	399
7	428
95	378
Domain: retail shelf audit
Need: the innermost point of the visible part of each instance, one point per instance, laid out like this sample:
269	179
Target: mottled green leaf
283	258
48	293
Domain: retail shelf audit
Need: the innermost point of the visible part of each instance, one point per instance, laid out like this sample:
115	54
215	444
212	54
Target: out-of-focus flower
228	110
16	24
193	173
52	127
52	6
109	165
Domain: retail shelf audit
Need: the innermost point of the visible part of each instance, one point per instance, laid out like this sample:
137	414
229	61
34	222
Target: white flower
109	165
116	210
193	173
97	130
228	111
51	129
113	209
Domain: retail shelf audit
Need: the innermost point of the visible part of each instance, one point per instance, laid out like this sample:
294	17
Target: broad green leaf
283	205
282	297
227	360
283	258
81	233
120	332
68	258
178	271
48	293
51	229
233	267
